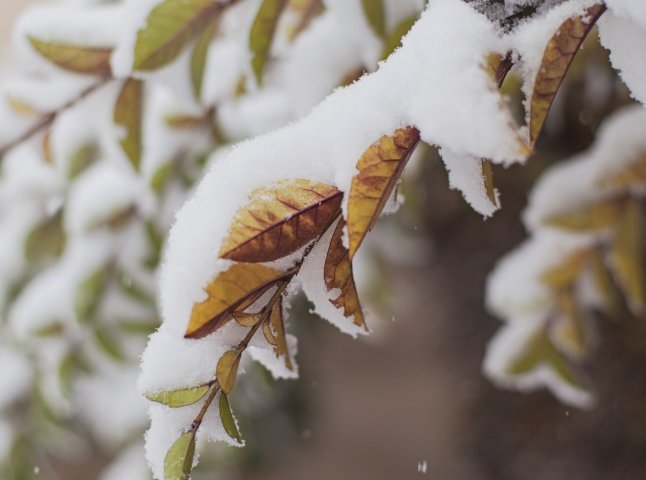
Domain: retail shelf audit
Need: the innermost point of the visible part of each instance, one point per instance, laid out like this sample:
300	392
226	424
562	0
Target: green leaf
198	58
376	15
161	176
89	295
75	58
138	326
262	34
179	398
82	158
108	345
134	291
228	422
128	112
227	370
394	40
46	241
171	26
179	458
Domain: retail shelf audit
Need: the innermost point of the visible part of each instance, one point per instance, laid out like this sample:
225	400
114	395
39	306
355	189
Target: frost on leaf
232	290
558	56
180	398
170	27
128	112
75	58
281	219
179	459
262	34
379	170
338	276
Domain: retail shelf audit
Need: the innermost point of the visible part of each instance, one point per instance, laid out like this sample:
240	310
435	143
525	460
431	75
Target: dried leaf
226	370
170	27
247	319
281	219
558	56
487	179
75	58
198	58
567	272
393	41
338	275
231	291
378	172
375	14
634	175
262	34
567	330
228	422
498	67
128	113
89	294
180	398
270	336
626	257
179	458
597	216
277	324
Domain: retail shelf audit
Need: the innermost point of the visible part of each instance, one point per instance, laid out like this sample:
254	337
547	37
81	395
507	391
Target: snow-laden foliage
123	105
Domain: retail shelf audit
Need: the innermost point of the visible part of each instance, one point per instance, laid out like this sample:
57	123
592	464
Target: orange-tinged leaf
226	370
281	219
379	170
557	57
626	256
75	58
338	275
232	290
596	216
128	113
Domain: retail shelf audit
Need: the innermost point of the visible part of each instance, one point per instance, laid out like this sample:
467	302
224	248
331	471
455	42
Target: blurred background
411	401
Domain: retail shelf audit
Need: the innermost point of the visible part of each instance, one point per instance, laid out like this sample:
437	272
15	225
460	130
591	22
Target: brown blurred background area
412	402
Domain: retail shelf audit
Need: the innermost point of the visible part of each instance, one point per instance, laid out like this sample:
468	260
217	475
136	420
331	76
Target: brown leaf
75	58
557	57
231	291
498	67
597	216
275	334
281	219
337	273
226	370
379	170
626	257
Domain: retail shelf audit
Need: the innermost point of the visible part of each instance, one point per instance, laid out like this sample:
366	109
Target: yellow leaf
198	58
567	330
557	57
378	172
246	319
338	276
626	257
231	291
281	219
566	273
375	14
226	370
75	58
22	108
632	176
170	27
597	216
262	34
180	398
605	284
128	112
